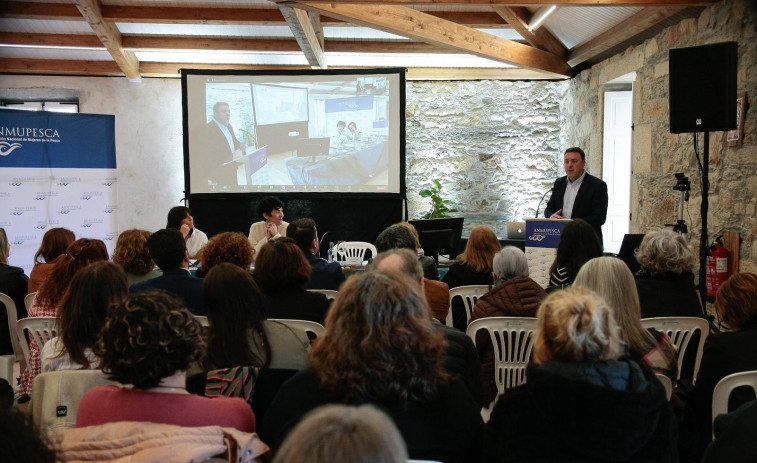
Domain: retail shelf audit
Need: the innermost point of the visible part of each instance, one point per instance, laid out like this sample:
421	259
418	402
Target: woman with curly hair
133	256
79	254
149	341
281	272
665	279
54	245
93	292
380	347
239	332
578	244
232	247
583	400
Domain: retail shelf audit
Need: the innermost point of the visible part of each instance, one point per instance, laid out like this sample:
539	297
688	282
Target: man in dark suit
578	195
222	146
169	252
326	275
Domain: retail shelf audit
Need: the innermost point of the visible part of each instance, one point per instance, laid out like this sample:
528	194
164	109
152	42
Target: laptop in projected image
516	230
312	147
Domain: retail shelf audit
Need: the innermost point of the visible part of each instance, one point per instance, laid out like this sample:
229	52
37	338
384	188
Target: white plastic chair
680	330
723	390
28	300
470	295
202	319
329	293
512	339
305	325
40	329
666	383
355	249
8	361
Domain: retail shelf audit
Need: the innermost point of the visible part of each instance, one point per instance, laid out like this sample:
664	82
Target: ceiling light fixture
540	16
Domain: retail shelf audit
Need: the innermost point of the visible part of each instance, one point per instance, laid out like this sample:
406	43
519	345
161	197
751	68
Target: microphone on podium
541	200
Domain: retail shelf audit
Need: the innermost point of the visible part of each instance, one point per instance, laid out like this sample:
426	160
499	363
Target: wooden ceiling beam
50	40
60	67
632	26
518	17
423	27
110	37
49	11
305	34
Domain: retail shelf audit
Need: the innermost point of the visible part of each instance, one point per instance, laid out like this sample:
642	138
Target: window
52	106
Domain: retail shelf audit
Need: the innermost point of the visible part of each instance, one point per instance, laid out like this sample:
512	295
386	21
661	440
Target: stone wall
494	145
658	154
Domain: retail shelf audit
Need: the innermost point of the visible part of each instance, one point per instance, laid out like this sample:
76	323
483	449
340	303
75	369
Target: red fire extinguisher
717	267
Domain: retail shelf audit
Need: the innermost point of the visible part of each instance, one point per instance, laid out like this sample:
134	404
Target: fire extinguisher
717	267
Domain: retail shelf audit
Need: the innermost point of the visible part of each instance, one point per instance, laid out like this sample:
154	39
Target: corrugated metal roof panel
34	26
574	25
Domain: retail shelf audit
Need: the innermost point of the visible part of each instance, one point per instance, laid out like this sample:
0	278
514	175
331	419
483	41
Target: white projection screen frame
316	132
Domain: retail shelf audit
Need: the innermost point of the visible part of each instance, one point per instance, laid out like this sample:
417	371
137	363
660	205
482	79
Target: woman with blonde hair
583	401
611	279
345	434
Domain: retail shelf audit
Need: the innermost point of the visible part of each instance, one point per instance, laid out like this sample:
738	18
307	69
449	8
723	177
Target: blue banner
37	139
357	103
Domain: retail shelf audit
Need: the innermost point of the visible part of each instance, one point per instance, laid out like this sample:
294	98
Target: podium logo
7	148
537	237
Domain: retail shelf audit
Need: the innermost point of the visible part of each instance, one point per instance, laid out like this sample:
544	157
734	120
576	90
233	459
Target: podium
248	164
542	238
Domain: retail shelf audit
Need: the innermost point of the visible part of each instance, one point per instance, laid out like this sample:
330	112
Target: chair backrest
512	339
12	314
202	319
329	293
347	249
470	295
306	325
723	390
28	300
680	331
666	383
56	396
39	329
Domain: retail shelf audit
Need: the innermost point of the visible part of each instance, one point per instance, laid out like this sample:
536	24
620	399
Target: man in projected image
223	146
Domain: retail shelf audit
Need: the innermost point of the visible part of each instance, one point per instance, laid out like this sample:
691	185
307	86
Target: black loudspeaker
703	88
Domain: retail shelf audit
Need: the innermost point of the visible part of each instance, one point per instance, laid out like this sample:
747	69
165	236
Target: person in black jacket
14	283
578	195
325	275
583	401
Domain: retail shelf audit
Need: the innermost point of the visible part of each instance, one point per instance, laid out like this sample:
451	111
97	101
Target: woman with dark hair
14	283
54	245
271	210
578	244
133	256
149	341
281	272
180	218
231	247
239	332
79	254
93	292
474	266
725	353
380	347
583	401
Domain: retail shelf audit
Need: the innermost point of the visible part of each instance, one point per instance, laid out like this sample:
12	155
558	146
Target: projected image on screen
292	133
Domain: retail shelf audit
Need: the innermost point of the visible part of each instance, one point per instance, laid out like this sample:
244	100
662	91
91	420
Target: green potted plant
439	206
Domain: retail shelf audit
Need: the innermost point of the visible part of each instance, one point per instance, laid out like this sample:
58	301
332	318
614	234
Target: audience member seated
325	275
93	292
611	279
340	433
54	245
133	256
474	265
21	442
79	254
231	247
514	295
239	333
724	354
380	347
169	252
582	401
460	358
430	272
665	279
734	437
180	218
281	272
148	342
578	244
437	293
14	283
271	210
